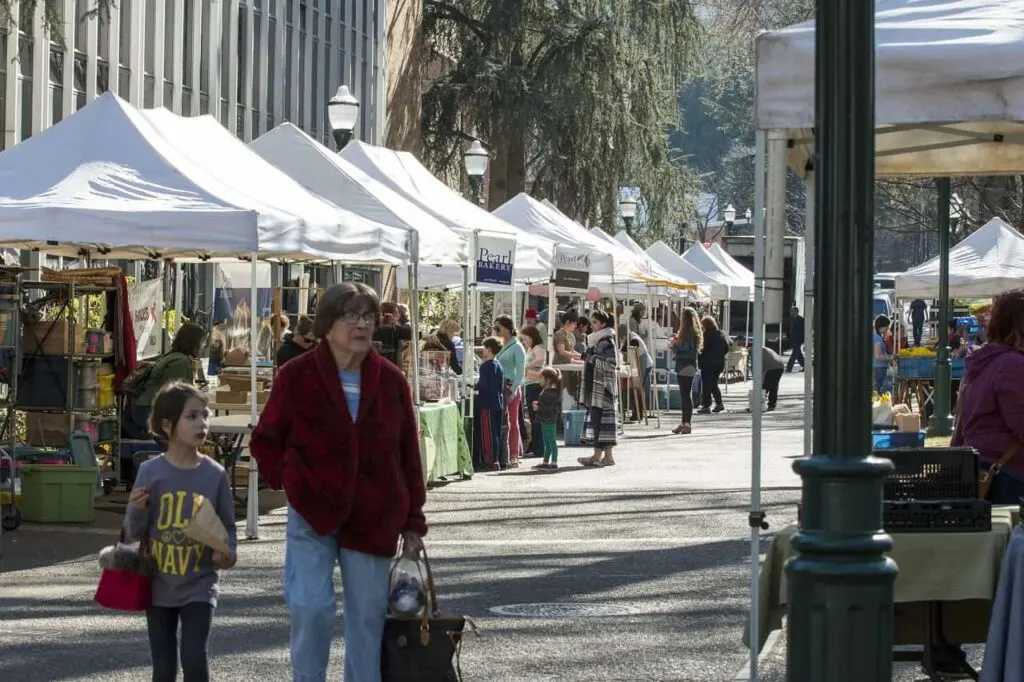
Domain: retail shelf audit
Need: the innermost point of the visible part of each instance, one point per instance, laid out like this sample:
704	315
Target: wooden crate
51	338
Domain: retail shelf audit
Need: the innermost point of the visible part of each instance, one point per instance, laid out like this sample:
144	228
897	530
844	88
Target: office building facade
250	63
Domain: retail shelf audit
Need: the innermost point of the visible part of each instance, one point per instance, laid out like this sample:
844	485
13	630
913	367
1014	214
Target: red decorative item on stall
126	359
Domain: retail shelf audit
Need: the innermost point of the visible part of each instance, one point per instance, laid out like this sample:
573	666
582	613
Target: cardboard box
51	338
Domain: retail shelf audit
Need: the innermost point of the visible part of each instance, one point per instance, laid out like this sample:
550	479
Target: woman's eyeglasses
352	319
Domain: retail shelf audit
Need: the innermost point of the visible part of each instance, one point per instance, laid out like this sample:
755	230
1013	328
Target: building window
204	54
56	83
186	57
272	58
257	88
25	65
302	64
125	46
243	36
168	40
289	59
80	61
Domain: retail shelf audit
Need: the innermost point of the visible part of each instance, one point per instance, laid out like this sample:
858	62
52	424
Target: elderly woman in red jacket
340	435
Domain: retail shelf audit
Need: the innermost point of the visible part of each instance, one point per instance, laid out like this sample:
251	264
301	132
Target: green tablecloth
960	570
443	442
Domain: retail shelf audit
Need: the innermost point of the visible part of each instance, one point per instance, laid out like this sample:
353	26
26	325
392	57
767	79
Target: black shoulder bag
423	648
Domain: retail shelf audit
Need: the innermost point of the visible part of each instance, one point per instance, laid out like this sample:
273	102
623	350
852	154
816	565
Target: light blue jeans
309	591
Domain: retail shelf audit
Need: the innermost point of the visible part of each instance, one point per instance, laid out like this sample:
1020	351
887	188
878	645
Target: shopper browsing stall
512	359
178	364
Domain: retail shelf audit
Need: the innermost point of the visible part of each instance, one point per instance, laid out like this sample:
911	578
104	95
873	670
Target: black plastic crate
937	516
931	474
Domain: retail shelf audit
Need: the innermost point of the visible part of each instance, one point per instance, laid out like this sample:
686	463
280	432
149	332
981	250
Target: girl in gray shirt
167	491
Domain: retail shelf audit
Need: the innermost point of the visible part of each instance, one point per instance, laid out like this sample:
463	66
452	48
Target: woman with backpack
142	387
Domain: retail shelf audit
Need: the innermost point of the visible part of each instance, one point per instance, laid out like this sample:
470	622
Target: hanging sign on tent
572	268
495	258
146	300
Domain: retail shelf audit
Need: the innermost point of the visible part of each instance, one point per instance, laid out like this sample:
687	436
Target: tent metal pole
809	312
756	516
252	501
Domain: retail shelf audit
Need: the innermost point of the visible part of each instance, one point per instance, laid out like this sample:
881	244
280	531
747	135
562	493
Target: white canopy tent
742	273
104	180
725	285
326	174
609	262
988	261
294	224
949	99
949	87
656	269
404	174
663	254
107	182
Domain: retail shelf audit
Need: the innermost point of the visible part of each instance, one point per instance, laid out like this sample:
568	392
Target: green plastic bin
57	494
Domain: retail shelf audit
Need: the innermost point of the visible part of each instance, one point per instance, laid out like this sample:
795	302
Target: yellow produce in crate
919	352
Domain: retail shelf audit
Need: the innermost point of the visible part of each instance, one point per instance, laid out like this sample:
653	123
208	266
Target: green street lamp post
840	610
476	159
941	422
627	209
342	112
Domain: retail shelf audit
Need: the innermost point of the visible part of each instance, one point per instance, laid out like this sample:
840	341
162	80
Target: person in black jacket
712	364
297	342
796	339
548	408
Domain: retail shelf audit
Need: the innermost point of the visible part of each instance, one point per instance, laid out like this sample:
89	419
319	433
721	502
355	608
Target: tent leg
252	501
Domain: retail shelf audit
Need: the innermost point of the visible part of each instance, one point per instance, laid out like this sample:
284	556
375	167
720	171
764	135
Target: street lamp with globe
476	159
627	209
729	215
342	112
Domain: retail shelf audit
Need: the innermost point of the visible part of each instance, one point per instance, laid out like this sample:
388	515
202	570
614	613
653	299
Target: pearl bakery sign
572	268
495	260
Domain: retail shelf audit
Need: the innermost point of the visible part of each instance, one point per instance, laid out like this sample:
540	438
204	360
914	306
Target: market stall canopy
663	254
742	272
608	263
294	224
987	262
949	87
726	285
325	173
403	173
105	180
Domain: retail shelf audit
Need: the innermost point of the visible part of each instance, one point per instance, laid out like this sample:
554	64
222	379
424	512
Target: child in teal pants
547	409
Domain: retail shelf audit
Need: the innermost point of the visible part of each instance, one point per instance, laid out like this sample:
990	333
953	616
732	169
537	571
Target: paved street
660	539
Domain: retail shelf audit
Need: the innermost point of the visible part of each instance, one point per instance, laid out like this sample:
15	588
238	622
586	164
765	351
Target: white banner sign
146	300
494	259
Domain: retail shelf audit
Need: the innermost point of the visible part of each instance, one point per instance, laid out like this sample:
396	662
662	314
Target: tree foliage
21	12
574	97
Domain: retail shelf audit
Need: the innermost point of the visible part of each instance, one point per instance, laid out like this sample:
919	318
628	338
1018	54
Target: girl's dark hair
347	297
601	316
169	404
570	315
1006	321
506	322
881	321
552	377
189	340
530	332
709	323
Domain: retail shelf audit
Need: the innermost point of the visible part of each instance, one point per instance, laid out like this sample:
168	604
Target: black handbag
423	648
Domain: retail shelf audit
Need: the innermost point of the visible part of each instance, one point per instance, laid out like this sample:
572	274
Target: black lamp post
841	581
342	112
476	159
950	209
627	209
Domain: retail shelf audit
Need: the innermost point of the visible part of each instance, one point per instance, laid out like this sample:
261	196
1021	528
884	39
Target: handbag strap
431	588
993	471
122	538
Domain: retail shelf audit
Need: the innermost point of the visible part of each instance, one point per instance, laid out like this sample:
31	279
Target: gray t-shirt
186	570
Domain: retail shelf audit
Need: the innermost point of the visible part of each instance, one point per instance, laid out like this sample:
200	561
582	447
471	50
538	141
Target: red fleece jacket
361	479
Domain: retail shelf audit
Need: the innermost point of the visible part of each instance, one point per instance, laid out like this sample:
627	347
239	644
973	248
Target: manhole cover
556	610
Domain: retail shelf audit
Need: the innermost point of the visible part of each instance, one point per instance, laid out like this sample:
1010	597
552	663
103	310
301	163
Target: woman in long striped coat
601	389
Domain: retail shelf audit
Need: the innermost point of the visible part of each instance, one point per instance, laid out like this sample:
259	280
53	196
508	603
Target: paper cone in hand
206	528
